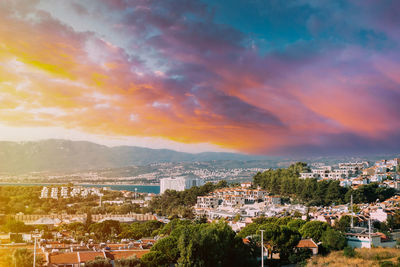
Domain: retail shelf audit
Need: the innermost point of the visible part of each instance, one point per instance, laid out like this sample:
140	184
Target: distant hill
65	155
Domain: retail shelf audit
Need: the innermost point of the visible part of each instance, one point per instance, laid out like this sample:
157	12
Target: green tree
129	262
155	258
280	239
300	256
314	230
15	226
248	230
343	224
106	230
22	257
213	244
333	239
168	246
333	193
296	224
99	262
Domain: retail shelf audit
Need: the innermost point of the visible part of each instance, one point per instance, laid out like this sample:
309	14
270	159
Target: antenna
262	248
369	232
352	212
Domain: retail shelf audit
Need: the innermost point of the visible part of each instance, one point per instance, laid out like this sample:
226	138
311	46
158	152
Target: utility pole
262	248
35	236
352	212
369	231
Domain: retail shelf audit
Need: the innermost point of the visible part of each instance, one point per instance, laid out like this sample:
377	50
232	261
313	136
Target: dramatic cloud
293	77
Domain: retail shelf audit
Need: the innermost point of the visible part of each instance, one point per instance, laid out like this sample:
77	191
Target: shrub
349	252
386	264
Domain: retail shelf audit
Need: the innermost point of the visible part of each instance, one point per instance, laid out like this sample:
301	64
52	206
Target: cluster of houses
58	254
61	254
67	192
240	201
354	174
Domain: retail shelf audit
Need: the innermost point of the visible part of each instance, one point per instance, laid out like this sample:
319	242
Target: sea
139	188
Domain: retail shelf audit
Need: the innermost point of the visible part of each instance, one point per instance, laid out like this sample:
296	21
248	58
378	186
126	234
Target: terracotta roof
307	243
246	241
123	254
90	255
73	258
64	258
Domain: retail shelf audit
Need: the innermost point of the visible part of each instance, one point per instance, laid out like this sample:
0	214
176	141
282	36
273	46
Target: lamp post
35	236
262	248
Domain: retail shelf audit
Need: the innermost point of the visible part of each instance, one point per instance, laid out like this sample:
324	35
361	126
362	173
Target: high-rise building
179	183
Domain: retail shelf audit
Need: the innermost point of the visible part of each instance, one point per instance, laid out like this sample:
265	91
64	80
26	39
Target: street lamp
35	235
262	248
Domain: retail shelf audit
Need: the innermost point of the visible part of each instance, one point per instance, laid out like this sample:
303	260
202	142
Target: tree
168	246
248	230
280	239
296	224
343	224
333	193
89	220
314	230
138	230
300	256
106	230
15	226
22	257
99	262
155	258
213	244
333	240
129	262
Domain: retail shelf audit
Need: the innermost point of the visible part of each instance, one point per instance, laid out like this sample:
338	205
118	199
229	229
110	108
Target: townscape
199	133
360	207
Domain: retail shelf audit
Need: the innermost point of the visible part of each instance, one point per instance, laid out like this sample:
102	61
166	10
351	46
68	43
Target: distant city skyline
258	77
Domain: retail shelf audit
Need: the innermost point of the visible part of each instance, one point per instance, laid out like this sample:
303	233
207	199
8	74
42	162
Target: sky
307	77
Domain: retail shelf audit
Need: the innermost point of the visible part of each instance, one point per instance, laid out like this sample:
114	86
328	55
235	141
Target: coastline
78	184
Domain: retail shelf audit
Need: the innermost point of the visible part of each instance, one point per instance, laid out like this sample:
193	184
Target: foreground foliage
191	244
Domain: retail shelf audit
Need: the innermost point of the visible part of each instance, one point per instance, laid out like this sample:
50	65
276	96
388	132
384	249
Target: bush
99	262
386	264
300	256
349	252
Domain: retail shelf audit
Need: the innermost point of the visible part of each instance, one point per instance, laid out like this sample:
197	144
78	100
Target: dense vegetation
286	182
179	204
199	244
281	235
25	199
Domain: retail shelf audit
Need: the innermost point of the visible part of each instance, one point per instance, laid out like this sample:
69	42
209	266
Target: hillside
364	257
64	155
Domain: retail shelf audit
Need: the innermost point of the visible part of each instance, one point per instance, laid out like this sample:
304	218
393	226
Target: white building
45	192
306	175
179	183
54	193
207	202
379	215
365	240
64	192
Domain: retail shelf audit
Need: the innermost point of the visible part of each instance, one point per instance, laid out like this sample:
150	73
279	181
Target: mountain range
65	155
